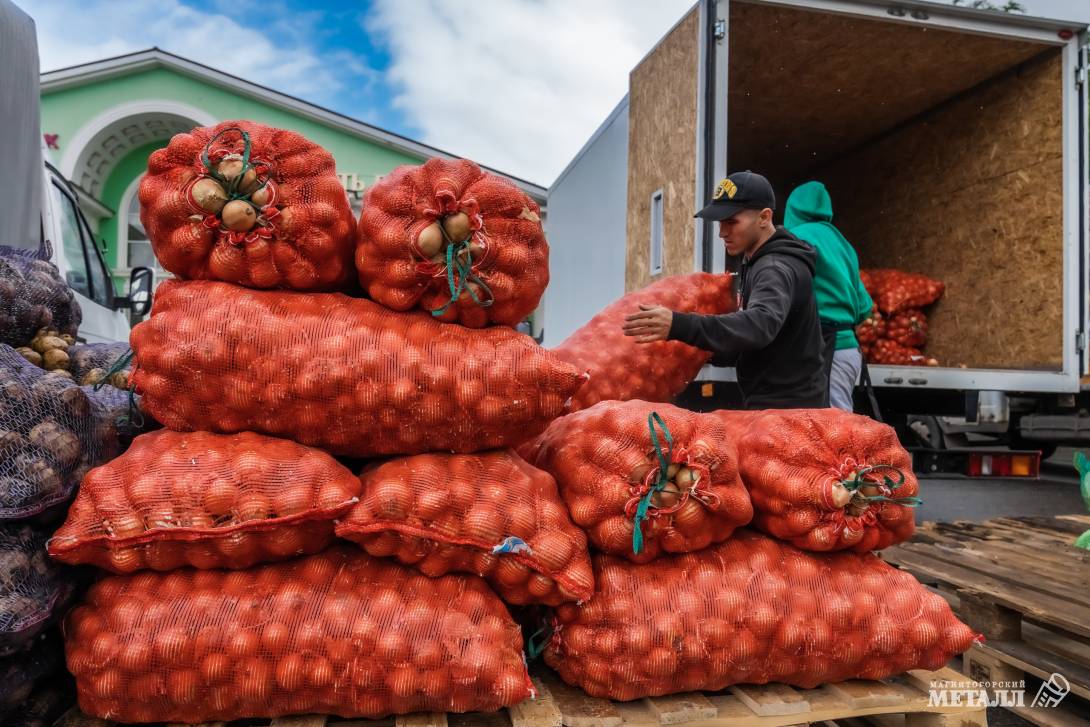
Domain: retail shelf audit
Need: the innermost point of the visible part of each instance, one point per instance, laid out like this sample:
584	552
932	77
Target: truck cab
106	315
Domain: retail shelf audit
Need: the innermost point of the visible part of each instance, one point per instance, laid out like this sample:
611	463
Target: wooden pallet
1021	583
903	701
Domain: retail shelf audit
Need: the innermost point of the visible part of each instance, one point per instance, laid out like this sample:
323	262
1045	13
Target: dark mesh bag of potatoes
33	297
94	363
20	673
32	587
52	432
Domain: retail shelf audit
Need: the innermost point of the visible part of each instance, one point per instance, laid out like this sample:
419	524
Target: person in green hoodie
842	301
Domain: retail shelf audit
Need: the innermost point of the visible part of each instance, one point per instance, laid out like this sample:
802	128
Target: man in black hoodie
774	339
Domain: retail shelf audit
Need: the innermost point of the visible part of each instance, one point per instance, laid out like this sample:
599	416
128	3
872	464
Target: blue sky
518	85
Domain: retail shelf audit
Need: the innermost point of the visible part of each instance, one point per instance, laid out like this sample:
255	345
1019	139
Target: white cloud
515	84
76	31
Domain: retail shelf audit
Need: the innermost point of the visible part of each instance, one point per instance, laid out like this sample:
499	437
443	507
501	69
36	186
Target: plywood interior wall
662	152
806	87
971	193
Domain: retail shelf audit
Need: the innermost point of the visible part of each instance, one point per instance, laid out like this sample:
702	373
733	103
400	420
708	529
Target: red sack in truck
908	328
872	328
896	290
248	204
334	633
825	479
339	373
645	479
452	239
621	369
888	352
206	500
751	610
490	513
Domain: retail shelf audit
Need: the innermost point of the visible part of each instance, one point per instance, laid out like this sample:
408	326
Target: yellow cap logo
726	187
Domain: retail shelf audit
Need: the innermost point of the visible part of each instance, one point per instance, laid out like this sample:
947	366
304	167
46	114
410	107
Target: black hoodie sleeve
731	334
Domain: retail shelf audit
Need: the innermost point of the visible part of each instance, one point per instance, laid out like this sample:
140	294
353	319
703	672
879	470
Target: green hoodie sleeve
866	303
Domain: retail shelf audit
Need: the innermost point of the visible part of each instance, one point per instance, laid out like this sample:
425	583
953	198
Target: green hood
841	299
809	202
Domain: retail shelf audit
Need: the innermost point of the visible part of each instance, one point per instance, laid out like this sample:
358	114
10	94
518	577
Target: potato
64	373
59	441
41	344
93	377
239	216
56	358
120	379
30	355
68	338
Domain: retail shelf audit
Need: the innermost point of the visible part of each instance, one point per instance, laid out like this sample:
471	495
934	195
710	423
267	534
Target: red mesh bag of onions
339	373
621	369
206	500
335	633
248	204
452	239
825	479
643	479
491	514
750	610
897	290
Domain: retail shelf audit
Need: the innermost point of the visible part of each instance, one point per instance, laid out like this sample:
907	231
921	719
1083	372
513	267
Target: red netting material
621	369
206	500
342	374
401	253
334	633
604	462
291	228
491	514
908	328
750	610
896	290
818	477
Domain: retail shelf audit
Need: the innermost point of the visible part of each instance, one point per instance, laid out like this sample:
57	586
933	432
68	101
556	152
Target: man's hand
651	324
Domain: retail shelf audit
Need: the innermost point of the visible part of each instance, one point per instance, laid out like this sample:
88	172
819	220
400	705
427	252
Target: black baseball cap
739	191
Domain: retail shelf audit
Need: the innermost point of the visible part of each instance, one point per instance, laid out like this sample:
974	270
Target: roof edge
62	78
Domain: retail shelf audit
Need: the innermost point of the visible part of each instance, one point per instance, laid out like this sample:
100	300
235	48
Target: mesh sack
908	328
825	479
750	610
205	500
336	633
897	290
95	363
888	352
19	673
452	239
52	433
248	204
621	369
872	328
491	514
342	374
31	587
671	471
33	296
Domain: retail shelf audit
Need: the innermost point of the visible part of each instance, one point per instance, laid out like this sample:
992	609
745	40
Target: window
75	257
656	232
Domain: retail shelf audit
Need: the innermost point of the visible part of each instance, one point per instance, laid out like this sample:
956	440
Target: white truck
953	142
43	214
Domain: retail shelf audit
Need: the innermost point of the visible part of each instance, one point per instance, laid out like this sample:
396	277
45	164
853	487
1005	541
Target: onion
239	216
209	195
457	226
230	167
430	241
261	196
290	672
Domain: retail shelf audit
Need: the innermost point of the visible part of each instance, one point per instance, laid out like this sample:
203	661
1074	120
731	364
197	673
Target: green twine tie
460	274
1082	464
664	466
857	481
231	186
536	643
118	366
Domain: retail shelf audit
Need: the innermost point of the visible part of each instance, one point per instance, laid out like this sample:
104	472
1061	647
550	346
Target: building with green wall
102	120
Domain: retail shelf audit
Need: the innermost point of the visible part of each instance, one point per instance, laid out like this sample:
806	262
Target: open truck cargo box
952	142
